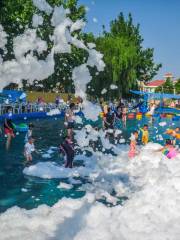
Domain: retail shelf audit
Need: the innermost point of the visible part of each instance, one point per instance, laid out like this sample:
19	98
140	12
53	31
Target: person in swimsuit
29	132
29	148
133	151
70	120
145	134
169	150
67	149
8	131
124	115
109	119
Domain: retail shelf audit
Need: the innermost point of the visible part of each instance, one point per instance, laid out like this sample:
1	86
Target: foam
151	212
42	5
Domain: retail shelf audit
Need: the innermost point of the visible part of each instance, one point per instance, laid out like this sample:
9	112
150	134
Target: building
151	86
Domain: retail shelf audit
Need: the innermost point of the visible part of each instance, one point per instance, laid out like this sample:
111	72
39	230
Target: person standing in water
70	120
133	151
124	115
145	134
67	149
29	132
29	148
8	129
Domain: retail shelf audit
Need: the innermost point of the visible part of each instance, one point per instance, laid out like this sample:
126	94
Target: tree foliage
126	59
17	16
167	87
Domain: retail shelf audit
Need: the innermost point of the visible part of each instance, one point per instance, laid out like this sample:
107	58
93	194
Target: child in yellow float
145	134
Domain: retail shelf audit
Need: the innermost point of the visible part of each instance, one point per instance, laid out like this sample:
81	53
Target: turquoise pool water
29	192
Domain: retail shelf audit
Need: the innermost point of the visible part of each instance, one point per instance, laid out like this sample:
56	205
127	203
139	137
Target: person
29	132
174	133
145	134
8	131
124	115
169	150
118	113
67	149
70	120
57	101
109	119
29	148
133	142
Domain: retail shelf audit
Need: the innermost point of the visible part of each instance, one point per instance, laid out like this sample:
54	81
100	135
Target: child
70	119
174	133
29	148
169	150
124	115
29	132
68	150
145	134
133	151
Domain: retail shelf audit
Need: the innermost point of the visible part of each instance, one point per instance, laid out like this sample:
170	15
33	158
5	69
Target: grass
47	96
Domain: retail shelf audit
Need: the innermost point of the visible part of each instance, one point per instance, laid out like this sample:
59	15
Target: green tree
126	59
177	86
167	87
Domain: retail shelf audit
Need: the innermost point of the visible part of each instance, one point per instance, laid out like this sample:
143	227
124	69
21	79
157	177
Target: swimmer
29	148
67	149
145	134
133	151
169	150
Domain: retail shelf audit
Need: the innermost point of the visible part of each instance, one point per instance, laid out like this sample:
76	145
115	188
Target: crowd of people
110	115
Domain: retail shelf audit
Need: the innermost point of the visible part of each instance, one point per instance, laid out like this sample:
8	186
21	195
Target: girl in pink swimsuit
133	151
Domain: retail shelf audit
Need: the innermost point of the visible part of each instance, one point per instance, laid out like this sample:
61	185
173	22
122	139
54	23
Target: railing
19	108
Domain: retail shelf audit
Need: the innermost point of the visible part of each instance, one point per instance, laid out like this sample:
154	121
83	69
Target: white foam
65	186
42	5
151	212
3	37
37	20
162	124
53	112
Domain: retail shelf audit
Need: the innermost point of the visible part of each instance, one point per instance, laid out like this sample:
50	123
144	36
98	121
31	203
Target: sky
159	25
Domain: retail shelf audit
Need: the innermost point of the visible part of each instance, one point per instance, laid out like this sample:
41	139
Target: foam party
89	140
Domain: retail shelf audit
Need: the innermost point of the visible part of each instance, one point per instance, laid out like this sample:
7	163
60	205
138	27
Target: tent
13	96
148	95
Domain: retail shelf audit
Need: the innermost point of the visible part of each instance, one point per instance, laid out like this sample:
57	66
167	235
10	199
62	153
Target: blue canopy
150	95
13	95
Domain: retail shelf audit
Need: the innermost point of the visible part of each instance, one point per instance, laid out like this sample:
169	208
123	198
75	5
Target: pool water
29	192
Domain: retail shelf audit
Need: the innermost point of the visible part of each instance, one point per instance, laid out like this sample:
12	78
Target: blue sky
159	24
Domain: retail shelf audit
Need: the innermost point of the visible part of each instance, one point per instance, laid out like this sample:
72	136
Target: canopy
13	95
150	95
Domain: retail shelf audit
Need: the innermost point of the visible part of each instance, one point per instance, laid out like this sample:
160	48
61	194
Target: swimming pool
29	192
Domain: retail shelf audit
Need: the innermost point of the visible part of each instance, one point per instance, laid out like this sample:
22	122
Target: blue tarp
14	96
156	95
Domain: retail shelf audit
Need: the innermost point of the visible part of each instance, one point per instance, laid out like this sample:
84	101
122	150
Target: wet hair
177	128
31	125
168	142
145	125
72	105
135	132
30	138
